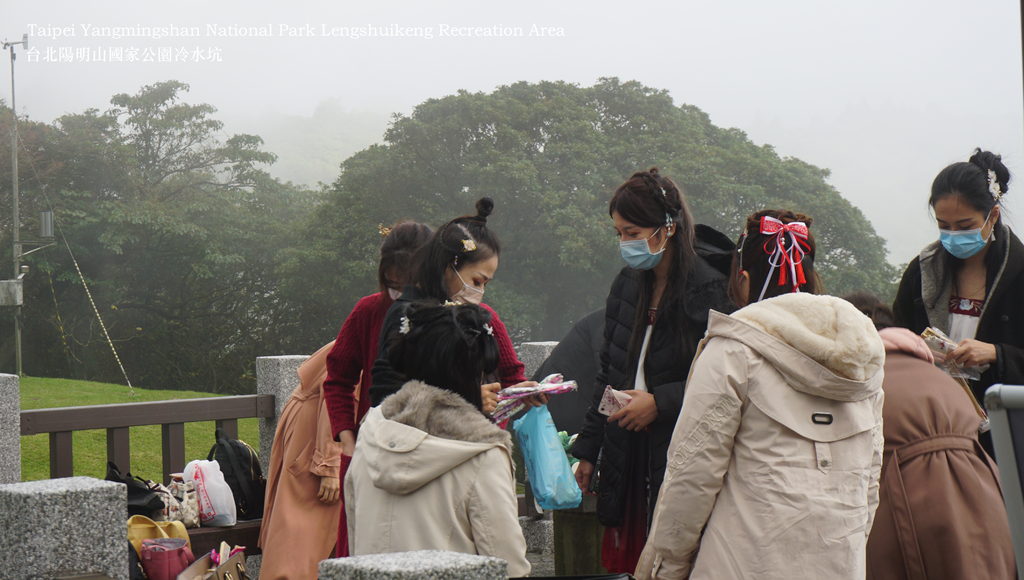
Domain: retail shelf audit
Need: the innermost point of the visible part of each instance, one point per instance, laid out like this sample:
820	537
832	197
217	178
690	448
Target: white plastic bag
216	503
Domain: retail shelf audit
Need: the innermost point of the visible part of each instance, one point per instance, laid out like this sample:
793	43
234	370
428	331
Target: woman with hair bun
969	282
774	463
655	314
431	472
455	265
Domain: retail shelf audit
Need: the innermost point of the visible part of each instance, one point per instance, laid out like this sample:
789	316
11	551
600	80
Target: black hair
969	181
753	258
647	200
463	240
879	313
401	242
448	347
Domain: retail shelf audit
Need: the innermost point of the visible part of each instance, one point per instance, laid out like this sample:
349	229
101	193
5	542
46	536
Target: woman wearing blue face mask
970	283
656	313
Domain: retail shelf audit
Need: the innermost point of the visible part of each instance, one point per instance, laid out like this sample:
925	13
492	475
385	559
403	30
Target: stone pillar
432	564
60	527
278	376
533	354
10	429
539	533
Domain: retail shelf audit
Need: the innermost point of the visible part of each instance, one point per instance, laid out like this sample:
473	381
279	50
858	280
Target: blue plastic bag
553	482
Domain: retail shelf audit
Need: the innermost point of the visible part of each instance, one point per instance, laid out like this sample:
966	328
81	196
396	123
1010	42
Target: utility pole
14	194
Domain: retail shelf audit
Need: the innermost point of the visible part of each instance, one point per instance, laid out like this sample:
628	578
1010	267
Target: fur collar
828	330
442	414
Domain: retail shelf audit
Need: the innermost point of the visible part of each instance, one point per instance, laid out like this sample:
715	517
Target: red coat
354	351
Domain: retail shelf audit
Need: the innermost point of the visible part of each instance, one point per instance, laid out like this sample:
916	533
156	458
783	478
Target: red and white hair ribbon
789	256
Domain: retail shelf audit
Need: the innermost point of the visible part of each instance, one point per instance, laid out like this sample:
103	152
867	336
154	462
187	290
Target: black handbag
241	468
142	501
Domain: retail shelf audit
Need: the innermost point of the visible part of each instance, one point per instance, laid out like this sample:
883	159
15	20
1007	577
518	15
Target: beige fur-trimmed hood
823	345
422	432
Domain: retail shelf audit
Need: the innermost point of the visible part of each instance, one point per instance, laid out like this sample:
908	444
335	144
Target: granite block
10	429
539	533
278	376
252	566
60	527
421	565
533	354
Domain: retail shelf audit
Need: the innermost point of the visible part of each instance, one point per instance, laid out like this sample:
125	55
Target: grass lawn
90	447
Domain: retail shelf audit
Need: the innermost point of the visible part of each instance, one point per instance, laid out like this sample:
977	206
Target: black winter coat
665	371
1002	317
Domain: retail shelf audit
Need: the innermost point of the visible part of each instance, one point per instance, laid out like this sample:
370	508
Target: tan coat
430	472
777	451
298	529
941	512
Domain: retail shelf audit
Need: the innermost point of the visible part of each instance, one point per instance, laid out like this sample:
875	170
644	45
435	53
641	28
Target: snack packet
612	401
940	345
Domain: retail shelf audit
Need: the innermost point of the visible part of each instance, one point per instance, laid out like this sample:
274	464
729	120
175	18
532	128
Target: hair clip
468	245
449	303
993	185
668	220
490	331
404	328
383	230
663	194
743	238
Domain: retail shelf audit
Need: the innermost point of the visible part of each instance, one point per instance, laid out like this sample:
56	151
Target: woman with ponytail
454	266
774	463
431	471
656	312
969	282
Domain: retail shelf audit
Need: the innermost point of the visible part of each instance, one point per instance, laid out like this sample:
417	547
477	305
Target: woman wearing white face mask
456	265
969	283
656	313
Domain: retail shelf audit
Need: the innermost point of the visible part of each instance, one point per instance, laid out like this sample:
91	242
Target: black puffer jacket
665	371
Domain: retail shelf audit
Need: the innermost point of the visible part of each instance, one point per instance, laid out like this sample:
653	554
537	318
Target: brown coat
298	530
940	512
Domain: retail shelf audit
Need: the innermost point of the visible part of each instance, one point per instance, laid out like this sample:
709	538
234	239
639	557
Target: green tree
178	235
550	154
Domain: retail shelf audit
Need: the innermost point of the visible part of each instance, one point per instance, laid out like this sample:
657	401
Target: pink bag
165	558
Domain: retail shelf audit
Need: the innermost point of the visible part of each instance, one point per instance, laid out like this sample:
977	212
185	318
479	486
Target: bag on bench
241	468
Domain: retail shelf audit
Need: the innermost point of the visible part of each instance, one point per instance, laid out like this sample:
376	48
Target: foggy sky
884	94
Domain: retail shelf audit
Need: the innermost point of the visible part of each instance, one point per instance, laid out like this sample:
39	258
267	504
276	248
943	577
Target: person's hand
584	473
348	442
972	353
329	489
640	412
489	394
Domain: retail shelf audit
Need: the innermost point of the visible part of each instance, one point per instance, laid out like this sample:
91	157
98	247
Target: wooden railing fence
172	415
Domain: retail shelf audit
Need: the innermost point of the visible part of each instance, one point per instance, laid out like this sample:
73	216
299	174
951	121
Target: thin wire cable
49	204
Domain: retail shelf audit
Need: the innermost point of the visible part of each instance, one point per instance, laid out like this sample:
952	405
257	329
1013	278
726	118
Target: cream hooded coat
775	460
430	472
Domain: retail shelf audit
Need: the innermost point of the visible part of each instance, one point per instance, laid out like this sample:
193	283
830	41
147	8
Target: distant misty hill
311	149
